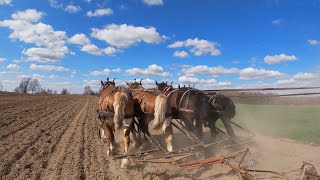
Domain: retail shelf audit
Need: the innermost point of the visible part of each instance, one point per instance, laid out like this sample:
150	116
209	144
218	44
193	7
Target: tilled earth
55	137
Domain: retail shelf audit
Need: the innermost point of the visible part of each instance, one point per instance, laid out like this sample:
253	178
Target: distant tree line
33	86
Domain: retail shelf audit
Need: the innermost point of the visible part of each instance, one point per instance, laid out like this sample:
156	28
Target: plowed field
55	137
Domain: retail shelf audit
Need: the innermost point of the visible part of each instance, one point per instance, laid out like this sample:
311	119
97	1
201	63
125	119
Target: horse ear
101	83
166	82
179	86
141	82
171	83
156	83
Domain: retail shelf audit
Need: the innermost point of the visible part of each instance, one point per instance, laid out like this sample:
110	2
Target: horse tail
120	102
160	110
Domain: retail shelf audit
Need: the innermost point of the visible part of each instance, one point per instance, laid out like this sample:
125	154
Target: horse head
107	83
135	84
162	86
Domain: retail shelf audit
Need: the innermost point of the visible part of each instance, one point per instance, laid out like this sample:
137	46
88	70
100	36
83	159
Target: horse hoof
125	163
109	153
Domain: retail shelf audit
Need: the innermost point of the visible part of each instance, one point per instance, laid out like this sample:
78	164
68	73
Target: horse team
119	107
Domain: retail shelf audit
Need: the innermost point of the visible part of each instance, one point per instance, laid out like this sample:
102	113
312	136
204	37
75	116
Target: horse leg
110	137
127	126
198	128
135	139
212	126
126	140
168	133
227	125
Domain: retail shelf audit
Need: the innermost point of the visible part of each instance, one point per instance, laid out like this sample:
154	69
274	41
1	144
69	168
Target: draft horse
152	106
220	107
116	112
188	104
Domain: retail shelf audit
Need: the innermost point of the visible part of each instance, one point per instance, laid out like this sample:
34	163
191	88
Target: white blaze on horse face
127	122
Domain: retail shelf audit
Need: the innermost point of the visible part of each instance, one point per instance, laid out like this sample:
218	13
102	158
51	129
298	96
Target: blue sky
212	44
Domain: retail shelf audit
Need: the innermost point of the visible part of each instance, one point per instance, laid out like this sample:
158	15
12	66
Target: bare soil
55	137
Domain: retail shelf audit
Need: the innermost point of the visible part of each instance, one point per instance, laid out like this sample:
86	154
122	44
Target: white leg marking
127	122
166	123
125	163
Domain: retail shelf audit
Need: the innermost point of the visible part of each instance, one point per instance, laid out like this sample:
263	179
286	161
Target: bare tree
64	91
88	90
49	91
34	86
23	85
1	86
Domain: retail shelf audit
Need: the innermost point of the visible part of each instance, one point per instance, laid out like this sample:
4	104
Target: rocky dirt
55	137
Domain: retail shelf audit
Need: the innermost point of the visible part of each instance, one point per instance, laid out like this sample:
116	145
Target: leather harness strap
107	103
182	98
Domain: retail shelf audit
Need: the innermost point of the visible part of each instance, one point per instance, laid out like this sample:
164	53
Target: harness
107	111
213	98
144	99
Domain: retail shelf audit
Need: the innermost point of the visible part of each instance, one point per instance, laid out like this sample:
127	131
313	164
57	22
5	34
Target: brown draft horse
201	109
117	108
152	106
188	104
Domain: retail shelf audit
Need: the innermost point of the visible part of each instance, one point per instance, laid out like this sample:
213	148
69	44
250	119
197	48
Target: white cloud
180	54
47	68
110	51
5	2
285	81
55	4
277	21
251	73
124	35
34	76
3	59
80	39
92	49
153	2
29	15
104	72
279	58
95	50
202	83
88	1
304	76
100	12
72	9
53	76
212	71
300	79
313	42
198	47
14	67
44	55
152	70
50	43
